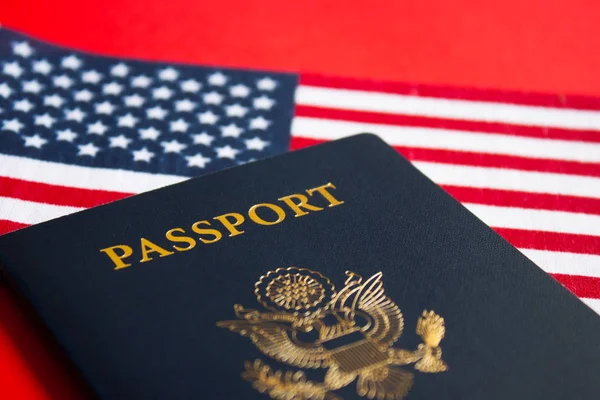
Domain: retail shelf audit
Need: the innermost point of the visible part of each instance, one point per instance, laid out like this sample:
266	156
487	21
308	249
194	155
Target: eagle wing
274	341
387	321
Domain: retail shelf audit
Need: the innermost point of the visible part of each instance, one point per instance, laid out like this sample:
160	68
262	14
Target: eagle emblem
350	333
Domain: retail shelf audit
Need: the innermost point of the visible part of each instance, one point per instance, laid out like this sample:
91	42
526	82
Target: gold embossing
322	190
263	214
252	213
149	247
301	280
286	386
117	259
352	333
238	219
299	207
294	292
431	329
171	236
217	235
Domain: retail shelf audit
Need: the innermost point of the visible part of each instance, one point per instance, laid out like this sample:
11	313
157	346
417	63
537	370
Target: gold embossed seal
349	333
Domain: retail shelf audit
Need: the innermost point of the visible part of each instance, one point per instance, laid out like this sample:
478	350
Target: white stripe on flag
594	304
507	179
29	212
82	177
446	108
554	262
432	138
537	220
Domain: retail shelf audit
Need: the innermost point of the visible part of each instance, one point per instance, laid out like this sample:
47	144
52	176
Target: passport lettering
229	224
349	333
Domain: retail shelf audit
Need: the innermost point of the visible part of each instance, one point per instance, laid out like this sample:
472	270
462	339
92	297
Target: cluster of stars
219	106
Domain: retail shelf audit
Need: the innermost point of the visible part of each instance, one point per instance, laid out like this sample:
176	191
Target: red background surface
535	45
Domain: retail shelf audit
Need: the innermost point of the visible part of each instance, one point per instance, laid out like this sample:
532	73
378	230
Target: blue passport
338	271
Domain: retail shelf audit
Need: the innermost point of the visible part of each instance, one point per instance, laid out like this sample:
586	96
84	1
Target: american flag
80	130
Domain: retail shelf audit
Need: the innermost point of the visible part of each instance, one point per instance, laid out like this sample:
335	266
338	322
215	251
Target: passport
338	271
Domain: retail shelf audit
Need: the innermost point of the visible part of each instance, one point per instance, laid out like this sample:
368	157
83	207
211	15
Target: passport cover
338	271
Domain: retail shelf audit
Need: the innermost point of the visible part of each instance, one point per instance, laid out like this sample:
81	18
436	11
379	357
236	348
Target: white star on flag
173	146
127	120
143	155
44	120
266	84
5	90
141	81
13	69
213	98
135	100
83	95
217	79
179	126
22	49
112	88
53	101
239	91
97	128
63	81
203	139
105	108
226	152
156	112
42	67
236	110
66	135
88	149
162	93
263	103
12	125
91	77
208	117
74	115
168	74
119	141
197	161
32	86
23	105
256	143
71	62
34	141
150	133
231	130
191	85
184	105
259	123
120	70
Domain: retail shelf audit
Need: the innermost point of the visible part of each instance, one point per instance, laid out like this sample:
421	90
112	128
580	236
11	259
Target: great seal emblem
350	332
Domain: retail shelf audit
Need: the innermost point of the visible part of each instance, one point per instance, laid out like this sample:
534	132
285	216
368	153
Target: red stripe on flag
58	195
9	226
497	96
499	161
495	197
442	123
481	159
581	286
300	142
510	198
552	241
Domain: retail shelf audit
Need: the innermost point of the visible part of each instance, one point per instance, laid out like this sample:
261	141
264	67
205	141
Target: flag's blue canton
75	108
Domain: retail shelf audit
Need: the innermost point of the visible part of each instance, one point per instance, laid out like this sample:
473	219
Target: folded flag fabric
78	130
